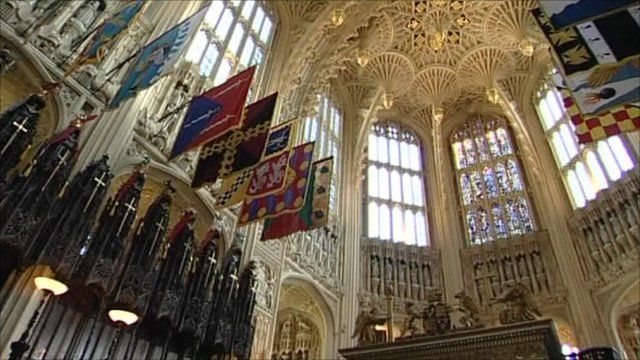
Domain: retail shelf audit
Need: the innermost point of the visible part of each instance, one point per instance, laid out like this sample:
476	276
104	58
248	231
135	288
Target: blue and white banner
157	58
564	13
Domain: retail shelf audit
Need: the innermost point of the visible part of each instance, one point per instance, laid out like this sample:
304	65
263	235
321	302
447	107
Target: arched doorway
304	323
626	322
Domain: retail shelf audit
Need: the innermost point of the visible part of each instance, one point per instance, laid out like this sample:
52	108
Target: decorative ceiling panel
420	53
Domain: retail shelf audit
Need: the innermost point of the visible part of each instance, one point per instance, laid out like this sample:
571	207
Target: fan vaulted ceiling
414	55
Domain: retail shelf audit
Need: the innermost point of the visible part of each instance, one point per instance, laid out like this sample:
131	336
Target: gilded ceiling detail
417	55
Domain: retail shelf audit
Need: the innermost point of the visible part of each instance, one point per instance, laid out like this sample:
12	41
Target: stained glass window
586	168
325	129
492	190
395	181
233	36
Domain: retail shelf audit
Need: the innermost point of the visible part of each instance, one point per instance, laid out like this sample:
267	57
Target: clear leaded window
395	197
586	168
325	128
233	36
491	186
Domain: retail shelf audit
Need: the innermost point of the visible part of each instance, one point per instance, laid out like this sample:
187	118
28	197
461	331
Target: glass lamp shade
381	327
48	284
123	316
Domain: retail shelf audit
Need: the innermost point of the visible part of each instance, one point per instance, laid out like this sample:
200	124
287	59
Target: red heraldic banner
315	212
592	128
291	198
268	176
214	113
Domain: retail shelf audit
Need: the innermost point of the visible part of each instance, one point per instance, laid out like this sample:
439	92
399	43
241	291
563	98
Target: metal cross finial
130	208
62	160
19	127
99	183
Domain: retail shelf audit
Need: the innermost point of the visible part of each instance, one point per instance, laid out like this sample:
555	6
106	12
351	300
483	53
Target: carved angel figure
469	308
519	304
409	324
365	327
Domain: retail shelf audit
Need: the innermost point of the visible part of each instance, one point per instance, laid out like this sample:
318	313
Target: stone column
351	217
445	229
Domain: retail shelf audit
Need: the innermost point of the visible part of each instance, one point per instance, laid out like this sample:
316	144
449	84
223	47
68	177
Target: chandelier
436	23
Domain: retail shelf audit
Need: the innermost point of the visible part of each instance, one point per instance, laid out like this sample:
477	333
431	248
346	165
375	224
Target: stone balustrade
407	272
607	232
491	268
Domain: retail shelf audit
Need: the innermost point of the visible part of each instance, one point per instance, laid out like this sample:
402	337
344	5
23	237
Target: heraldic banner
592	128
600	63
107	34
315	212
268	176
564	13
239	149
214	113
291	198
157	59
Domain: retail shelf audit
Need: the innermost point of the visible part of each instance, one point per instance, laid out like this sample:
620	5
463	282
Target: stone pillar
351	208
444	225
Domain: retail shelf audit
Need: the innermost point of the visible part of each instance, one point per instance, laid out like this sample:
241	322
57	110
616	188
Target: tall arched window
490	181
233	36
325	128
588	168
395	186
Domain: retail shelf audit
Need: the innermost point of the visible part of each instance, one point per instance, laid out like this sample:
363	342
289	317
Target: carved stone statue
519	303
365	327
632	220
469	308
522	267
508	270
409	325
435	317
619	234
426	275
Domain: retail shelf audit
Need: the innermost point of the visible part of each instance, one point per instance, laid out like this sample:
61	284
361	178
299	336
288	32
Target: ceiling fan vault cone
434	85
508	23
392	71
482	67
516	85
377	35
359	94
